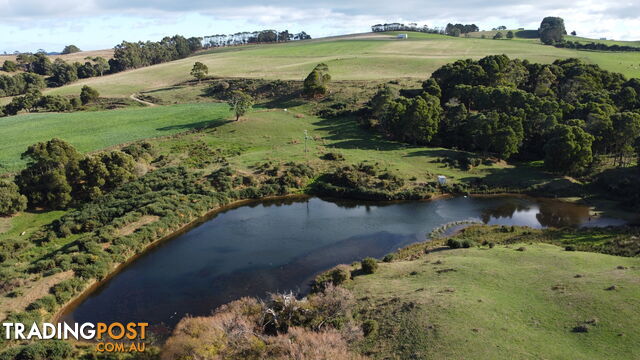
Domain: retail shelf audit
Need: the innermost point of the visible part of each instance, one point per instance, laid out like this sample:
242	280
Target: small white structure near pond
402	36
442	179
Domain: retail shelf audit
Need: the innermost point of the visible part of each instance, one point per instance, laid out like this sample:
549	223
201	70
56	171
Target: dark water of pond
281	245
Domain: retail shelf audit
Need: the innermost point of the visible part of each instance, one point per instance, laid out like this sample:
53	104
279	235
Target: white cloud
88	19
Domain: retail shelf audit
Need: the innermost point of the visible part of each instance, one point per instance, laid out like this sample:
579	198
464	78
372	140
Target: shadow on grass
346	134
207	124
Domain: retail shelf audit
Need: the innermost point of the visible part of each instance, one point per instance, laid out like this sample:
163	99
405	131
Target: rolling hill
358	57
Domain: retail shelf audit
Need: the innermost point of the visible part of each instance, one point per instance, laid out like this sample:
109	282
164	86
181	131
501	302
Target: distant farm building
402	36
442	179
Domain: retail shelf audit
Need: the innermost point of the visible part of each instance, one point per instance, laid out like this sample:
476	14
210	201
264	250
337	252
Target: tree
88	94
52	169
9	66
11	201
100	64
380	102
316	82
421	119
40	64
552	30
70	49
510	34
498	36
104	172
431	87
574	33
626	129
199	71
63	73
568	150
240	103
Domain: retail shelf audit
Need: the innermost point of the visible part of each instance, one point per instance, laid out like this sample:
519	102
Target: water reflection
279	245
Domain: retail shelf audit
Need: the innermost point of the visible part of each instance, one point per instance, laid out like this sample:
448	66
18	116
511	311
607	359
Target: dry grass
132	227
33	290
79	56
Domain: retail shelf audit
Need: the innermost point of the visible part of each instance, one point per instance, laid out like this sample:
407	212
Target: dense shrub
369	265
336	276
11	201
370	328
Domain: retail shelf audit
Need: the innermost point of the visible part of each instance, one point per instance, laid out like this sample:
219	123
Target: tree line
39	71
255	37
565	113
402	27
594	46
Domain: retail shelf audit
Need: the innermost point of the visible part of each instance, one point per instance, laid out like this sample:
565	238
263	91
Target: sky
29	25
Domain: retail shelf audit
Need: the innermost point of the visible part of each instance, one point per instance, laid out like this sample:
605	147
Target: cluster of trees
255	37
457	29
57	175
499	35
33	101
58	72
565	112
133	55
594	46
403	27
38	67
20	83
316	83
552	30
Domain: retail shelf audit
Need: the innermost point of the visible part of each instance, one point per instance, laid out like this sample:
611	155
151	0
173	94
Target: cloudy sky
28	25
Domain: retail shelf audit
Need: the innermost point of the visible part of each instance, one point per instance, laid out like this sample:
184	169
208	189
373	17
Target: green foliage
336	276
56	174
130	55
316	83
11	201
370	328
40	350
240	103
9	66
510	34
369	265
62	73
50	169
333	156
199	70
568	150
70	49
498	36
88	94
552	30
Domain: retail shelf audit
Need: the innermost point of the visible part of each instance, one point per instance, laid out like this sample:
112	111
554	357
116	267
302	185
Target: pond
280	245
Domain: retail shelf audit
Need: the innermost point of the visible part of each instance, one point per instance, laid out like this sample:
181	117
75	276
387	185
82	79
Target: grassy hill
89	131
358	57
503	304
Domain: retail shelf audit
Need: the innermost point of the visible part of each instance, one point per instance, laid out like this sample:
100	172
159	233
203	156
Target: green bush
454	243
11	201
388	258
370	328
369	265
47	302
466	243
334	156
336	276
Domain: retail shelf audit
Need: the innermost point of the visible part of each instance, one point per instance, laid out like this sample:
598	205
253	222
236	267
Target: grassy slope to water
363	57
90	131
503	304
